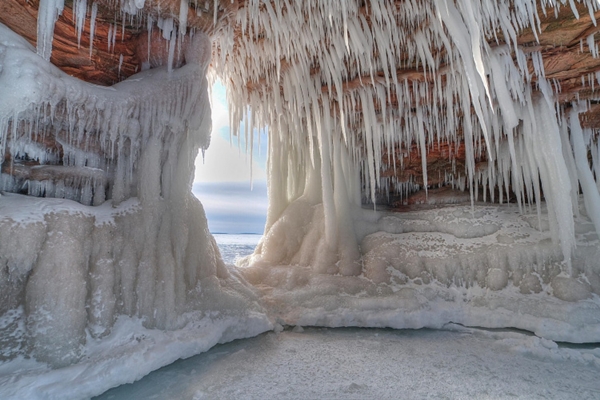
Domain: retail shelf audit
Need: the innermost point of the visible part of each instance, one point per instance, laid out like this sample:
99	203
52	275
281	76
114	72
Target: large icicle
591	195
48	13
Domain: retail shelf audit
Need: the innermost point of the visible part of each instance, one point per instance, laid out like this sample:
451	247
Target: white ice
105	294
481	265
350	363
95	296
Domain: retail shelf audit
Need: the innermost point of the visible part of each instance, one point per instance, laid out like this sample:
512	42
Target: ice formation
110	231
341	86
342	109
487	265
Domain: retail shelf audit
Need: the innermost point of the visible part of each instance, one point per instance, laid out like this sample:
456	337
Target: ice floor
352	363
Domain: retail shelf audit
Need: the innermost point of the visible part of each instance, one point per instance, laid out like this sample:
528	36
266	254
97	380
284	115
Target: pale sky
225	161
222	181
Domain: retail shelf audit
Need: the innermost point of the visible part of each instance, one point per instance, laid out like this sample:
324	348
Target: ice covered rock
530	283
570	289
146	251
496	279
479	265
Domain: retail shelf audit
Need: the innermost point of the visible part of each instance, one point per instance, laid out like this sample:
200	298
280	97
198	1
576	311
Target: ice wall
136	242
483	265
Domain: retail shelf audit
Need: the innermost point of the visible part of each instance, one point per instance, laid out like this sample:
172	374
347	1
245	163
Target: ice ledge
488	265
95	297
336	301
129	353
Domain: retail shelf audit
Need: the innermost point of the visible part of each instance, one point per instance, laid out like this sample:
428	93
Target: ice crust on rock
73	275
481	265
103	132
92	265
488	248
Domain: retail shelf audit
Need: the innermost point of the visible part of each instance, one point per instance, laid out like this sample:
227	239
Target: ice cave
430	162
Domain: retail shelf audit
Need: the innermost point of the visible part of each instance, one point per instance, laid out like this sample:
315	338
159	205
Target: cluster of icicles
172	28
328	76
97	133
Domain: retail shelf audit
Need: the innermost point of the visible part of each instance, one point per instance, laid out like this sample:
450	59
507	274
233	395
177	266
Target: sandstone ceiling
120	49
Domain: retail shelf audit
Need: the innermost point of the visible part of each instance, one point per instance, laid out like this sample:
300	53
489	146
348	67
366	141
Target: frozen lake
352	363
234	246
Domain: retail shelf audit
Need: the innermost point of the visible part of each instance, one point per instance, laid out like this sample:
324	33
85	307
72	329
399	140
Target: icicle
215	11
114	38
422	147
48	13
93	26
574	9
79	12
591	42
109	41
448	14
591	195
183	16
120	65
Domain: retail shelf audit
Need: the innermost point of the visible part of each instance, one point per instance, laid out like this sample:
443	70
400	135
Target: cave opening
230	178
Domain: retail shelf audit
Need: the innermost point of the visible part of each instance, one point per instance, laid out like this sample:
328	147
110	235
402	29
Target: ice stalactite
303	209
79	14
580	141
48	14
93	25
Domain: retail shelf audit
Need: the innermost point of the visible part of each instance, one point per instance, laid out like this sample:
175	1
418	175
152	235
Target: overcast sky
233	202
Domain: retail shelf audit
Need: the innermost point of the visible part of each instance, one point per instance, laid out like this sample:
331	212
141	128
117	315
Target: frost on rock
69	269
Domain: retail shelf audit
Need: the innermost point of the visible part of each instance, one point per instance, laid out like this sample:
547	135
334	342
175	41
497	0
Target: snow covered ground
126	355
352	363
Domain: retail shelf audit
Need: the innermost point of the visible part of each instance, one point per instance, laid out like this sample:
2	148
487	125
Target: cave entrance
231	182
